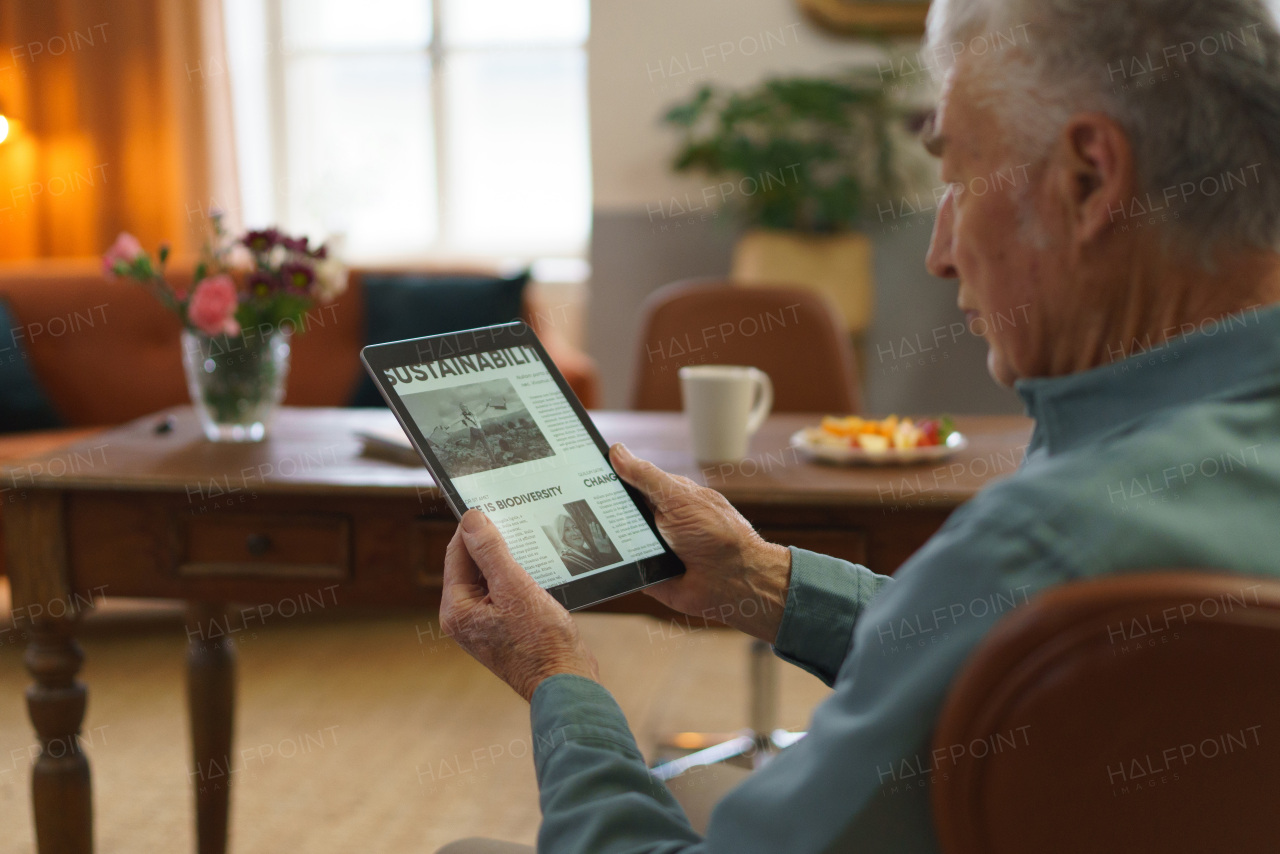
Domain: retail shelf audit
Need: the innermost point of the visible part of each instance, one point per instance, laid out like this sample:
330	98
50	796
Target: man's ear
1097	180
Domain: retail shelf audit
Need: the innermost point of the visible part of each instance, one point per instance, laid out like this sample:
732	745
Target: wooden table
151	509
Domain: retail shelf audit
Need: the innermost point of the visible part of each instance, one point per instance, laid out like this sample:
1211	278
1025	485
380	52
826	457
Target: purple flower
294	244
262	283
297	276
261	241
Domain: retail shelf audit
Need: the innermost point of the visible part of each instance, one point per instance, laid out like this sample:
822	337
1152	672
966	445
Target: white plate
844	455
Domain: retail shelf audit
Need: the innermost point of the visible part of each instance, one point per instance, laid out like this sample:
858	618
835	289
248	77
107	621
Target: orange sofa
105	352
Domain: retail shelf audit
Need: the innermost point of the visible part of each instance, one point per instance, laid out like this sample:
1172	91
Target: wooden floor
354	734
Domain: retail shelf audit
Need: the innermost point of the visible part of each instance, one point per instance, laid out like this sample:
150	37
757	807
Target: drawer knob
258	544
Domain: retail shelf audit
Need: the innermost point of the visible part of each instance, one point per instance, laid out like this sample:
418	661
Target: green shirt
1165	459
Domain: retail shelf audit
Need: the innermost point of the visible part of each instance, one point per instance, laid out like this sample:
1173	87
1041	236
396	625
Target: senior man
1139	256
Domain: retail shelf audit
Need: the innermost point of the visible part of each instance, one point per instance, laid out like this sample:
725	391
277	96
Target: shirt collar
1215	359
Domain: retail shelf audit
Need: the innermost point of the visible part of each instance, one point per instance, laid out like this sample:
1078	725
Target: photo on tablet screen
478	427
580	539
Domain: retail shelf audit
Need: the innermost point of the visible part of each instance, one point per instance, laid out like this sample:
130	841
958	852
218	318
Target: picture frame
861	18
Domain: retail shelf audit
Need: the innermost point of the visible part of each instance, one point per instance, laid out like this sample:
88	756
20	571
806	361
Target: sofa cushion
23	403
104	351
410	305
92	340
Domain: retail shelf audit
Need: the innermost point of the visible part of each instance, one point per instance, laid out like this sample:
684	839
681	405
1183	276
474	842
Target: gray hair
1194	83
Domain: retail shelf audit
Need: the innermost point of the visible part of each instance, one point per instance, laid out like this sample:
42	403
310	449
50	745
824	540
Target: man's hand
499	614
732	574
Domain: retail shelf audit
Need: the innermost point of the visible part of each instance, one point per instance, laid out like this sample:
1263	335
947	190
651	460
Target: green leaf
687	114
246	316
830	136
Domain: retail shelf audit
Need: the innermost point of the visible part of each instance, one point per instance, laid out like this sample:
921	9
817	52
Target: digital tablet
501	431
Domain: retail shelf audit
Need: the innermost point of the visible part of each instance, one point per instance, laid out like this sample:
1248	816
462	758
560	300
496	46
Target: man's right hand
732	574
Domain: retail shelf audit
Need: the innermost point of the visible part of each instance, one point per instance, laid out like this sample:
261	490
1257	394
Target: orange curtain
122	122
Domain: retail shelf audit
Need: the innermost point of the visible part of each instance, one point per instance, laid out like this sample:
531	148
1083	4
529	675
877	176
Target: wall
644	57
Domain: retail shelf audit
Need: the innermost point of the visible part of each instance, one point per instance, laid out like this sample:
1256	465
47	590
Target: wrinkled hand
731	573
499	614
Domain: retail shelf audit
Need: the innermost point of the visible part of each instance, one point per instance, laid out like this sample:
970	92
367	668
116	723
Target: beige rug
353	734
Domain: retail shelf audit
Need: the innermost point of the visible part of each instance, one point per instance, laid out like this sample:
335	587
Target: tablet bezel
576	593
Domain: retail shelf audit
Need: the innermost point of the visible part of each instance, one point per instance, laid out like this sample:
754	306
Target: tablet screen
510	443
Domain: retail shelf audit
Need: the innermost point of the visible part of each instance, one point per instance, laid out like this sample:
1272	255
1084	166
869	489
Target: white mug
725	404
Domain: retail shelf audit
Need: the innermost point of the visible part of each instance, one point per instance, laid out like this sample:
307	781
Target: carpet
354	733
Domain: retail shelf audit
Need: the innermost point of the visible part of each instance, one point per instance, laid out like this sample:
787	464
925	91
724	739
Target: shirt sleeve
596	792
859	781
824	602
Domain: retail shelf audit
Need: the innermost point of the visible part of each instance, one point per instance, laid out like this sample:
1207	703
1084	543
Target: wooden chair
795	336
1133	714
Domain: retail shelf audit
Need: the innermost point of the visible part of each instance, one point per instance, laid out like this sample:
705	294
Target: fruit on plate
872	443
878	436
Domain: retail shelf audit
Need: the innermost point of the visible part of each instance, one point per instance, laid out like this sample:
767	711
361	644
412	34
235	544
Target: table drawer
266	545
850	545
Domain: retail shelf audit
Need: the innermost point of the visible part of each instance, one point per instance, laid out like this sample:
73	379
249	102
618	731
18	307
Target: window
451	128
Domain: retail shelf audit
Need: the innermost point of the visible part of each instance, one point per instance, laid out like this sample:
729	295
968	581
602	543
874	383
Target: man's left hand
499	614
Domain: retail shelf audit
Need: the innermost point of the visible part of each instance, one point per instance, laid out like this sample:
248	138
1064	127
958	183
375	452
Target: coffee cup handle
764	401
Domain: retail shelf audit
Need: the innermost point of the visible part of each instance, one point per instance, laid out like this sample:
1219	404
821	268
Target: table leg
60	788
211	689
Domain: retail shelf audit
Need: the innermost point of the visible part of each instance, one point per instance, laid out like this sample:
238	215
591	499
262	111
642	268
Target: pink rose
126	249
213	306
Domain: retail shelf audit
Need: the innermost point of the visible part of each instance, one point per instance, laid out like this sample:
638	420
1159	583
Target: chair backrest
792	335
1138	713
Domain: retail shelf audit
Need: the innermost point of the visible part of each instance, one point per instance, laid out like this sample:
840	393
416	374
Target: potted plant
805	162
249	296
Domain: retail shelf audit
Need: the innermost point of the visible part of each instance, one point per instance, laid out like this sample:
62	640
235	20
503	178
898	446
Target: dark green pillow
410	305
23	404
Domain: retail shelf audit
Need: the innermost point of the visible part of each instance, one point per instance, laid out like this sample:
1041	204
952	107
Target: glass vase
236	381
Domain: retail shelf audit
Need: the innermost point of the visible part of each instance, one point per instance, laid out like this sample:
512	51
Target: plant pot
236	381
837	265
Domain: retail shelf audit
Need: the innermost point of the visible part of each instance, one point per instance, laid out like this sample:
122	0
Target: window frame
437	55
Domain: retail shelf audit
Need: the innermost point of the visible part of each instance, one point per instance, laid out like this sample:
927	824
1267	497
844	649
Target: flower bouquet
251	293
